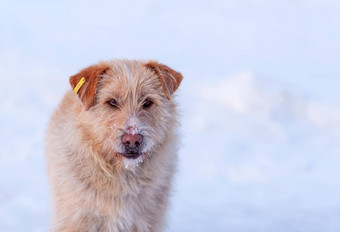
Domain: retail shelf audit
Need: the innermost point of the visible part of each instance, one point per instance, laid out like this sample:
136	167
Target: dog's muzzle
132	145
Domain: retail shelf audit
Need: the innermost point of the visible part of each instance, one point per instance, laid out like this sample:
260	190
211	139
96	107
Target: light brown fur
92	190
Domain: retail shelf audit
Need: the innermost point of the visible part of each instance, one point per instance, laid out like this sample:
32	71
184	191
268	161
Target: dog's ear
170	79
85	83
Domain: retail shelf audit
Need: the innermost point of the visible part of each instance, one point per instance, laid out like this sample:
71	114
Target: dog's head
127	107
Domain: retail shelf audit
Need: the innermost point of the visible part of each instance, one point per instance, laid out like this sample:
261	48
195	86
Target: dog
111	148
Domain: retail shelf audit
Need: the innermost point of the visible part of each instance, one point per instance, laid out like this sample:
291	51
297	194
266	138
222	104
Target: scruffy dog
111	148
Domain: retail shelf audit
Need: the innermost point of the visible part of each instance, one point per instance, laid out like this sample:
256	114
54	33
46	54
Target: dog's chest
128	210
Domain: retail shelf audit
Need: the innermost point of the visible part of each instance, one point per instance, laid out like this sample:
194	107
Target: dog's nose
132	140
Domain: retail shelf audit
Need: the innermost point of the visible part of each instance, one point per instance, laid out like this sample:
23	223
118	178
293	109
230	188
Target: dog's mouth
131	155
131	160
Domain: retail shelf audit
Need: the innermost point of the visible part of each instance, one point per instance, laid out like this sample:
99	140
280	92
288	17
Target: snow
259	101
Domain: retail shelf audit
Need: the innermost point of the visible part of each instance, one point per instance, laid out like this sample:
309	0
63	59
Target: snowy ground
260	104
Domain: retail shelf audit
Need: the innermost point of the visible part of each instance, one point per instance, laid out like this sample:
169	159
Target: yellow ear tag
79	85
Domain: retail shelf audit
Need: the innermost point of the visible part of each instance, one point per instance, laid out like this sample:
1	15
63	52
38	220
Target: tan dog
112	148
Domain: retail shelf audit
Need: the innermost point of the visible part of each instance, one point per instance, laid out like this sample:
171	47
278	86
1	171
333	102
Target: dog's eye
113	103
147	103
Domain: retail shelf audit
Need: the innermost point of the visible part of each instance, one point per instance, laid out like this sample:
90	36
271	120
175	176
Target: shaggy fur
94	187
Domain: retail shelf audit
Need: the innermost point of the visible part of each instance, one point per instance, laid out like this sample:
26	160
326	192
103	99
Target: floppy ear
170	79
86	91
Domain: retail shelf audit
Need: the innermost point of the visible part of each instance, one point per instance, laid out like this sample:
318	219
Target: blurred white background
260	104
